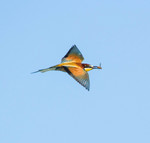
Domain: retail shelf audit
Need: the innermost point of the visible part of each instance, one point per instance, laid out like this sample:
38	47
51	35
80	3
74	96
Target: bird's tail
45	70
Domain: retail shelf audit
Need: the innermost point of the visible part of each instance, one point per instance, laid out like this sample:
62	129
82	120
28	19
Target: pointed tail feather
45	70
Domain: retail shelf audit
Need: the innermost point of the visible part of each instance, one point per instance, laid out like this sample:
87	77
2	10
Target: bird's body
72	64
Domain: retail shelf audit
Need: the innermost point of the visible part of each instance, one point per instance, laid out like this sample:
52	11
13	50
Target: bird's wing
80	75
73	55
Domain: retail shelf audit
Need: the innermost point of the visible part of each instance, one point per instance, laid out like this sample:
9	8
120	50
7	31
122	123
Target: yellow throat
88	69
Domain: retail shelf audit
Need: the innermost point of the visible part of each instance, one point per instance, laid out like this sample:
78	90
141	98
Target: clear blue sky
52	107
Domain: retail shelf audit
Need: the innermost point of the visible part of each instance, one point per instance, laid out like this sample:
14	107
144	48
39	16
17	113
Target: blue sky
52	107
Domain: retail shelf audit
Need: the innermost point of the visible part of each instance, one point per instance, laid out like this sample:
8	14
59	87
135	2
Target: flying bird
72	64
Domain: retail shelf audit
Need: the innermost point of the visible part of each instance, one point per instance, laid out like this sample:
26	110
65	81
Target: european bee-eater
72	64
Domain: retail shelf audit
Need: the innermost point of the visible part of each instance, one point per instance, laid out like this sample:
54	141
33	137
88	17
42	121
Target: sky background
52	107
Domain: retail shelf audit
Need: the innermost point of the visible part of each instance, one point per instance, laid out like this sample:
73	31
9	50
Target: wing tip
88	89
34	72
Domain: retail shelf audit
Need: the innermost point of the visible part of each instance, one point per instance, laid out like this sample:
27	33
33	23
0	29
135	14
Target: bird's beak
97	67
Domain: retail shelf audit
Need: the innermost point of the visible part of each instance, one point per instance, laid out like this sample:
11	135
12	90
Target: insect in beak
97	67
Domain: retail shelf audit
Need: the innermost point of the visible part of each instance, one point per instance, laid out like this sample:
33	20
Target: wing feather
79	75
73	55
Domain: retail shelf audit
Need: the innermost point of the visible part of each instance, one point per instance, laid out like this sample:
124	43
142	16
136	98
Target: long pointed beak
97	67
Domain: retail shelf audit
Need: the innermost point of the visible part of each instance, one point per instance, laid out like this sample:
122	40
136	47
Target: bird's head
88	67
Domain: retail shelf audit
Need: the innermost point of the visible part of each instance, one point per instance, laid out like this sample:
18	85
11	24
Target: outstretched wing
73	55
79	75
